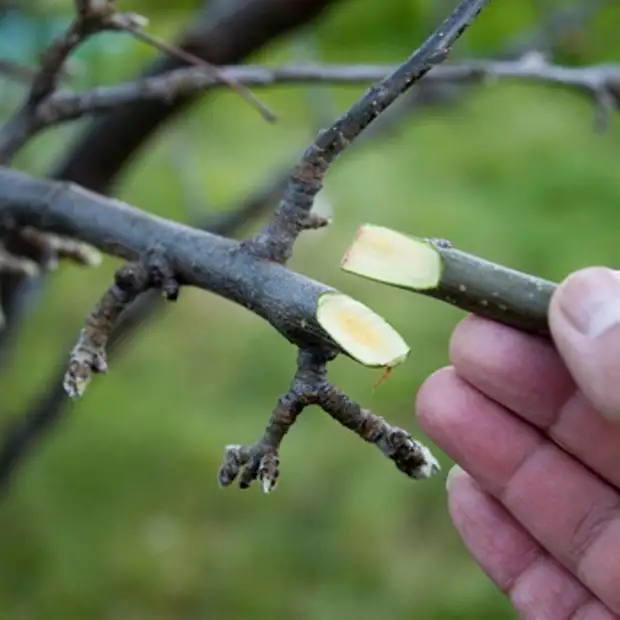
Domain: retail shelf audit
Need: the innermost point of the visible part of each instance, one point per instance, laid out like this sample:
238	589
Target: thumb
584	318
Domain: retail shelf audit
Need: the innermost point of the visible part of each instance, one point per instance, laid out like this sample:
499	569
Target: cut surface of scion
363	334
434	268
384	255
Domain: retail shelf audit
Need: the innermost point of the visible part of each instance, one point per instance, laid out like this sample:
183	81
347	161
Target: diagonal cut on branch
433	268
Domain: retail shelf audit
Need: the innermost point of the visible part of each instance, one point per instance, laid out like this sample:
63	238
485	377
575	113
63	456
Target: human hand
537	429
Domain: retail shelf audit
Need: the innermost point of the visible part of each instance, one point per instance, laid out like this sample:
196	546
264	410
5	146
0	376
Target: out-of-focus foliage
118	515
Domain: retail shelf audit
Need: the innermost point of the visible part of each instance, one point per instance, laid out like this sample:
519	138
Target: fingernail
453	474
590	300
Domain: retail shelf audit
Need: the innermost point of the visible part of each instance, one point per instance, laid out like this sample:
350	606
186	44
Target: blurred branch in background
14	70
559	26
559	29
223	33
599	81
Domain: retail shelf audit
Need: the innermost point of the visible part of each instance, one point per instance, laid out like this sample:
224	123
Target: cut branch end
387	256
361	333
434	268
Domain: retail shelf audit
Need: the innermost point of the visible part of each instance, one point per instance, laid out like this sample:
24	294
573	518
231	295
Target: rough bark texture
224	33
284	298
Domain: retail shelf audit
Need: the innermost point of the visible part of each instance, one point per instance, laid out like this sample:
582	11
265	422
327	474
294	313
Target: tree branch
24	431
223	33
432	267
276	240
312	316
65	106
92	18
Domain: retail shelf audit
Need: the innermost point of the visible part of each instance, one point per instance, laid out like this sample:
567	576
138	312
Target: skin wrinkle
510	556
513	584
522	601
590	607
590	529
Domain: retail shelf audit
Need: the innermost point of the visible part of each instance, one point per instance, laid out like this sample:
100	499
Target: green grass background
117	515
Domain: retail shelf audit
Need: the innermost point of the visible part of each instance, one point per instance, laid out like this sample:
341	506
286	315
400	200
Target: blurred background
116	513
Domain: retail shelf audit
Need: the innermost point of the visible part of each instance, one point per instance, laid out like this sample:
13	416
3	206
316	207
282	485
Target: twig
25	430
432	267
89	354
260	461
532	68
276	239
481	287
213	71
91	17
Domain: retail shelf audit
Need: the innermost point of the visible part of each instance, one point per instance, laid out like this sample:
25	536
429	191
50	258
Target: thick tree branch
287	300
309	314
24	431
224	33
